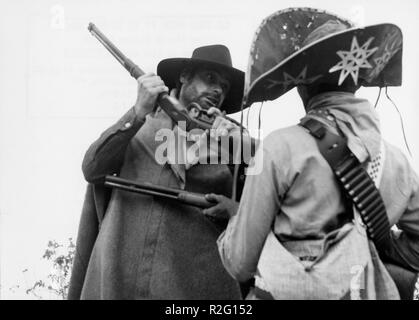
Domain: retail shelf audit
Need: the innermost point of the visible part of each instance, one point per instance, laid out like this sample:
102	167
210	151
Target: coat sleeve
241	244
106	155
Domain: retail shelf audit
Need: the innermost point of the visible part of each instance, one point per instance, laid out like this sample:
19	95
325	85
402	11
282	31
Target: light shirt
297	195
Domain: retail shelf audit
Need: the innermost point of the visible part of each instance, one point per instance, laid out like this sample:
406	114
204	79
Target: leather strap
354	180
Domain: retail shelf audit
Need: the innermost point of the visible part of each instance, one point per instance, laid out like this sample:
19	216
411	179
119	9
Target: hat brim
315	63
170	69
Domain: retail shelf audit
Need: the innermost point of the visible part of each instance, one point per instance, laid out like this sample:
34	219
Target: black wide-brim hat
281	56
214	56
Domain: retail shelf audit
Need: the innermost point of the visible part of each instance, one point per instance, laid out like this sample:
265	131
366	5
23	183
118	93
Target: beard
205	99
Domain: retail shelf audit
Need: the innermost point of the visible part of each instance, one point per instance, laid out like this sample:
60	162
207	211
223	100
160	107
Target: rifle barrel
142	185
190	198
140	190
133	69
106	43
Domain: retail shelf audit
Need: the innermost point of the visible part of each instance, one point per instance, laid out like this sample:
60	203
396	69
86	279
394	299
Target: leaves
58	279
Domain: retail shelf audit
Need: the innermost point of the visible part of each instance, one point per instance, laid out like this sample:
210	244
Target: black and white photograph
209	150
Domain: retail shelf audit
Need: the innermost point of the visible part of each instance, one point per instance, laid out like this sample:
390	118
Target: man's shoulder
398	166
287	136
397	161
395	154
286	132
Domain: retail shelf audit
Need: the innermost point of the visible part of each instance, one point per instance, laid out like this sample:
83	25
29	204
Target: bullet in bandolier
364	193
356	188
345	166
353	173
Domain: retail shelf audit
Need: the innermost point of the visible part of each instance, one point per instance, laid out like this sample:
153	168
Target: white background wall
59	89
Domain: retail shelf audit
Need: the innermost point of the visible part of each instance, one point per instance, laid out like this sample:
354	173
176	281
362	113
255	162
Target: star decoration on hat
292	81
381	62
353	60
391	48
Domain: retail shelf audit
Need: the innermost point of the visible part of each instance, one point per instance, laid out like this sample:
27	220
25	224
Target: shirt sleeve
405	241
241	243
106	155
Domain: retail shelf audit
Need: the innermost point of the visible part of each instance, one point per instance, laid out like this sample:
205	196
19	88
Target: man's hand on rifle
221	126
149	88
224	127
224	207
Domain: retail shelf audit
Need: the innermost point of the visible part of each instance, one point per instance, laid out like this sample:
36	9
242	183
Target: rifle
169	104
189	198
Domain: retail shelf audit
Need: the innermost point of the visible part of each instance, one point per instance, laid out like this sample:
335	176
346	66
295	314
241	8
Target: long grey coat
133	246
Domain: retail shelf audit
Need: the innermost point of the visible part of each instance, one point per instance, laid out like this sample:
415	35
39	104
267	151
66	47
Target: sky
59	89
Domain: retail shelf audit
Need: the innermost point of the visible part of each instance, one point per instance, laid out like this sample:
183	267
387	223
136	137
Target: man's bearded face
206	87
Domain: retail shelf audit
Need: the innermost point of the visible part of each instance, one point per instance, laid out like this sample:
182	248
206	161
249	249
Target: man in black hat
133	246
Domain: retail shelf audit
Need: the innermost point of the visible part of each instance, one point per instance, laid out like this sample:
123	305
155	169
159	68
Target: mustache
213	98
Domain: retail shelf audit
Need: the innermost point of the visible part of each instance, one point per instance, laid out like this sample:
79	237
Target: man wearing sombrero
133	246
295	232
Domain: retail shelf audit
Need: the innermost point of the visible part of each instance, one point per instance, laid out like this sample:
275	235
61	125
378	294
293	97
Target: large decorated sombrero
284	53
